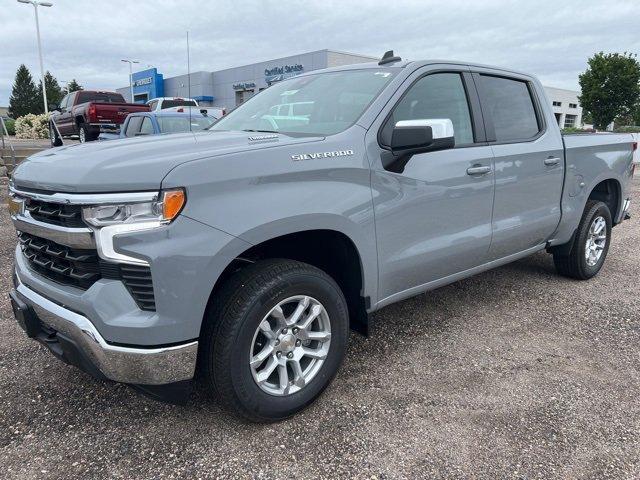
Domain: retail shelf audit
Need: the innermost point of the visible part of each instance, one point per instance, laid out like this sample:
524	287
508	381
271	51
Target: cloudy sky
85	39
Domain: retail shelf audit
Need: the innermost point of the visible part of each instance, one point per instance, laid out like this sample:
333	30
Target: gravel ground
515	373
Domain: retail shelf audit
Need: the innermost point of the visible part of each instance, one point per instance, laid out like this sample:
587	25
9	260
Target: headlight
113	219
162	211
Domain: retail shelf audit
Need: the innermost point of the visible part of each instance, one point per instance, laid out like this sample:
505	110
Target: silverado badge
313	156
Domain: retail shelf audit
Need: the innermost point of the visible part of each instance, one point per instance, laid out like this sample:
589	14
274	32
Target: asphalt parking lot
515	373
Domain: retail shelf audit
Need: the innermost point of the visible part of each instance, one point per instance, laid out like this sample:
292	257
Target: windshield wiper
260	131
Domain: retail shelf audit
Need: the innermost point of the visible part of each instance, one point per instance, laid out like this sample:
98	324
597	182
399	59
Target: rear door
433	219
529	162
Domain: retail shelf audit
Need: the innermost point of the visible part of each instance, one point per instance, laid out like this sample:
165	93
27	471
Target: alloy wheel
290	345
596	241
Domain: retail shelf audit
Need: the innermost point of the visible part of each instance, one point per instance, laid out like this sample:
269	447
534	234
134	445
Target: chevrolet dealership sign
142	81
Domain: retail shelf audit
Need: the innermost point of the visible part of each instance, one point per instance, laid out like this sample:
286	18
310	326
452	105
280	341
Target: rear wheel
85	134
590	245
274	339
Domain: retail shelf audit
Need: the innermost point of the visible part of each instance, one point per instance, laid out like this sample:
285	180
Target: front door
64	120
433	218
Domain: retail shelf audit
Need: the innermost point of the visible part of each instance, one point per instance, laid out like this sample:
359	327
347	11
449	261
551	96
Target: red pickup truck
86	113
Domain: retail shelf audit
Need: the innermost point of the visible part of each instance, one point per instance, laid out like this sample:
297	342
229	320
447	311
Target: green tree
610	87
73	86
636	115
24	95
54	92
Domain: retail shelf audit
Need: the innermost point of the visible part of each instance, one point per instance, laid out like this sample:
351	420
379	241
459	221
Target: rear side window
510	106
147	127
133	126
436	96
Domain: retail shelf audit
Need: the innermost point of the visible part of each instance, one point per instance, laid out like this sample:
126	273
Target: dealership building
232	86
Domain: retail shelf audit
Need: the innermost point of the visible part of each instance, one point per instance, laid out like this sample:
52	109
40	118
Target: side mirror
417	136
410	137
54	106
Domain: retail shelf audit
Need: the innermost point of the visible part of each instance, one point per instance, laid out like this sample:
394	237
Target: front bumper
74	339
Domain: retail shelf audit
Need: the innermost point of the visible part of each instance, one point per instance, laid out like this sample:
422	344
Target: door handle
551	161
478	170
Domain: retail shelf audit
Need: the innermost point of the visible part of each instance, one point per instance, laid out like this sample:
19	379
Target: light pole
130	62
37	4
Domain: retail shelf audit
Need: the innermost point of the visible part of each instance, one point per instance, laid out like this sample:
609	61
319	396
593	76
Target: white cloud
85	39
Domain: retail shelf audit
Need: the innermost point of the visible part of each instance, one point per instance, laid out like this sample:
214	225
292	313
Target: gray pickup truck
243	255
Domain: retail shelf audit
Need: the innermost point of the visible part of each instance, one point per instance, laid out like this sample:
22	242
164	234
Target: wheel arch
608	191
331	250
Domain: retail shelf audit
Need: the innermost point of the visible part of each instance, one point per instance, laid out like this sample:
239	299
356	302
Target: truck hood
134	163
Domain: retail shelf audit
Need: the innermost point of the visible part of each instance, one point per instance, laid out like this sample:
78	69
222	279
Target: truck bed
589	159
106	112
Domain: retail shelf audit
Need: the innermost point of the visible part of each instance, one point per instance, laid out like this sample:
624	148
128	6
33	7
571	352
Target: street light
130	62
37	4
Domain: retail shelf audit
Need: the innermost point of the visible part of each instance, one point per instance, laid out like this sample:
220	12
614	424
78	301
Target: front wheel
590	245
274	339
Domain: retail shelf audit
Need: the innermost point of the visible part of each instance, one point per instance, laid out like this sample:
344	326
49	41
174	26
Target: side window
133	126
147	126
63	102
436	96
70	100
509	104
153	105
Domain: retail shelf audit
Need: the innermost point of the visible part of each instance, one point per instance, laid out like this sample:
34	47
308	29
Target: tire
230	339
576	264
85	134
55	139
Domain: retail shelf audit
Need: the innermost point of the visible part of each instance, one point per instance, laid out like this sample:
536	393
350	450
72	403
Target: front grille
69	266
82	268
62	215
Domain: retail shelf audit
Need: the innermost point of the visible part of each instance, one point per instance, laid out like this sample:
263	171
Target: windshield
321	104
178	102
183	124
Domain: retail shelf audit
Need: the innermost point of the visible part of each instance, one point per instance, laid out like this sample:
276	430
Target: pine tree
54	92
24	95
73	86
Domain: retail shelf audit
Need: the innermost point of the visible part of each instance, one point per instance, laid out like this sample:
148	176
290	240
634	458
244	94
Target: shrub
32	126
576	130
10	123
628	129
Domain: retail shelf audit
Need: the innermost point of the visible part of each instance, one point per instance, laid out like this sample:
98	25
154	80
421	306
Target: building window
557	104
569	121
573	105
